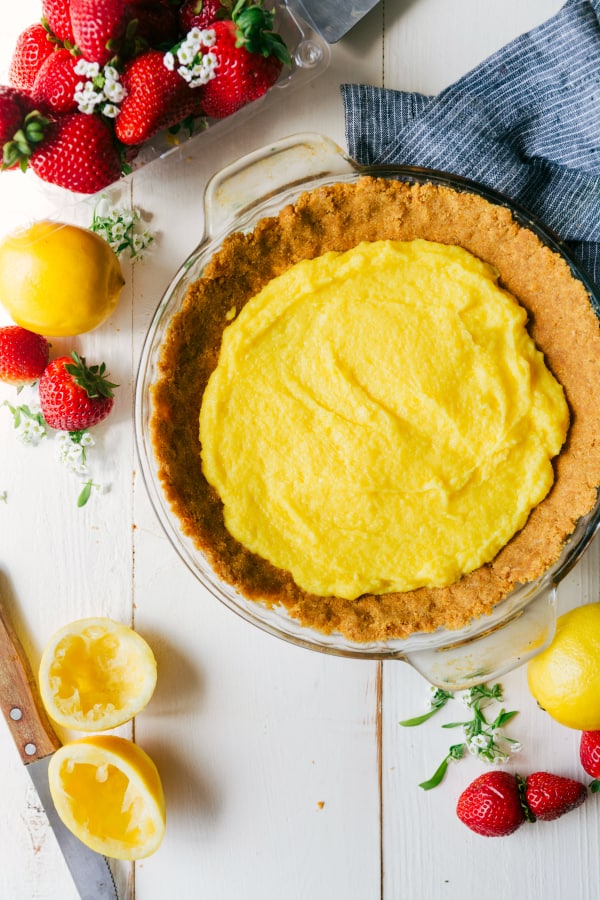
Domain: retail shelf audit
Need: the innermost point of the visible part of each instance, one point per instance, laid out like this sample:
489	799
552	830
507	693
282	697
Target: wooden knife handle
19	698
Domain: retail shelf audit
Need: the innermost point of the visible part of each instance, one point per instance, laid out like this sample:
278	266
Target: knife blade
334	18
36	742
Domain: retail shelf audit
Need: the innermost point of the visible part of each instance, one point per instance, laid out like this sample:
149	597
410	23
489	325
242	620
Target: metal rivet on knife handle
26	717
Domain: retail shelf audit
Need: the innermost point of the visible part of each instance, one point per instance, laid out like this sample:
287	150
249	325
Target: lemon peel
57	279
565	677
96	674
108	792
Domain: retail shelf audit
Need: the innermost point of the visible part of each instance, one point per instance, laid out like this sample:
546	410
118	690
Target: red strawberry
156	98
491	805
589	754
98	27
23	355
73	396
33	46
549	796
78	153
56	14
54	86
250	58
155	22
202	13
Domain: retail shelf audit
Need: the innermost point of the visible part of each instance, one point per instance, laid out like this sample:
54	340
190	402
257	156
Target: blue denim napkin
526	122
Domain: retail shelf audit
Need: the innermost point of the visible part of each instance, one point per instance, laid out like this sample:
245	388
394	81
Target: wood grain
286	773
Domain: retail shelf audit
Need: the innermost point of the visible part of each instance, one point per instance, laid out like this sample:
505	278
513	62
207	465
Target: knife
36	741
334	18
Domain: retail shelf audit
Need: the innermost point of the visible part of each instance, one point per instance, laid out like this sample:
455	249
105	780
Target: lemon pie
379	408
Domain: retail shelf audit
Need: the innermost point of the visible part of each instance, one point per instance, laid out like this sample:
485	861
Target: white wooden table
286	772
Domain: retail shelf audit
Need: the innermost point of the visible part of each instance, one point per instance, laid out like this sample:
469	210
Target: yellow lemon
58	280
108	792
96	674
565	677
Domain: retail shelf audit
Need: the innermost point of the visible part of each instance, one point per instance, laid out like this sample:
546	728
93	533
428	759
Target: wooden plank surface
286	772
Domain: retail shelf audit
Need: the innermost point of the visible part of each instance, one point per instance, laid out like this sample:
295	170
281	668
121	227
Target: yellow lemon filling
380	420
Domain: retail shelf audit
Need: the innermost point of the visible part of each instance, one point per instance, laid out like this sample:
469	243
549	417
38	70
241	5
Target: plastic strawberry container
310	56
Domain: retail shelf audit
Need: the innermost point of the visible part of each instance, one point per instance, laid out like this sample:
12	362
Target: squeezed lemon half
108	792
96	674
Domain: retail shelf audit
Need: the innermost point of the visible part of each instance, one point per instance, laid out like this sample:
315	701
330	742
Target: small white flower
139	242
500	759
185	73
185	55
515	747
30	431
194	35
86	106
169	61
81	66
464	697
110	110
208	37
479	742
114	90
117	231
111	74
87	440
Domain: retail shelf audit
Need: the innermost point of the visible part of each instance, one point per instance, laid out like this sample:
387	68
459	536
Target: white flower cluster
28	421
484	739
71	450
102	90
30	430
122	228
480	736
191	60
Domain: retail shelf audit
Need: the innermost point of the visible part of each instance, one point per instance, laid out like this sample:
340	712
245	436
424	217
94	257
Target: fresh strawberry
549	796
156	98
78	152
250	57
155	23
202	13
589	754
73	396
21	127
33	46
23	355
55	84
98	27
56	15
491	805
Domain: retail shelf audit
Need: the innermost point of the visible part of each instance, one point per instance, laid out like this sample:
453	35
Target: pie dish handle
494	651
268	172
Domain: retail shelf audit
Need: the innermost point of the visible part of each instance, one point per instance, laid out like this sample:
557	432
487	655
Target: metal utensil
36	742
334	18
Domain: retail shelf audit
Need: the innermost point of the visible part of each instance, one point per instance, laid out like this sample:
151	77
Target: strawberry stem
91	378
254	30
19	149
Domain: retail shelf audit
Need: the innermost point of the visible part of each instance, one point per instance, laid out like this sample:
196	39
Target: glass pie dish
260	185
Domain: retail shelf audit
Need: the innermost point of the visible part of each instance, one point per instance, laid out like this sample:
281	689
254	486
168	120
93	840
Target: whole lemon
58	279
565	677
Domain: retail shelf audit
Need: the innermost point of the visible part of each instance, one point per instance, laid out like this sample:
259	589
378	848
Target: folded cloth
526	122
